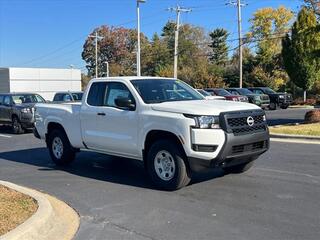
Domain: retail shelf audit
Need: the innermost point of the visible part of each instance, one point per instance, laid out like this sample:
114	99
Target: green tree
219	46
301	51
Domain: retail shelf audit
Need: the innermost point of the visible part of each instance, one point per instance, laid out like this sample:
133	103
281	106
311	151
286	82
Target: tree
301	51
219	46
117	47
268	28
314	5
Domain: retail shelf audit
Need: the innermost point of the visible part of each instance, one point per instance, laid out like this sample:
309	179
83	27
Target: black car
261	100
282	100
16	110
68	97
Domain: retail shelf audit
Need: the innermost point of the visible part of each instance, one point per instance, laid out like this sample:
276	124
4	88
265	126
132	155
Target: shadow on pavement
274	122
98	166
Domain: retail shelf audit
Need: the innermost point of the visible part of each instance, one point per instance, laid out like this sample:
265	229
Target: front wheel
284	106
166	165
16	126
61	151
238	168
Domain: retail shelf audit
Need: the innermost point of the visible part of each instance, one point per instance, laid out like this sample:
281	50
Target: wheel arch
155	135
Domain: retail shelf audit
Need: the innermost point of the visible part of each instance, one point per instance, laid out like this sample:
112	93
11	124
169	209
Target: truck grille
265	97
247	122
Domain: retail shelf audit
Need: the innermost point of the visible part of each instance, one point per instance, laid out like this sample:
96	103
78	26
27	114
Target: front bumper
236	150
27	120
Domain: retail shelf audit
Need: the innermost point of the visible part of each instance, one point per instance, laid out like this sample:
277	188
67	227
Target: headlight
264	118
26	110
205	122
235	99
281	96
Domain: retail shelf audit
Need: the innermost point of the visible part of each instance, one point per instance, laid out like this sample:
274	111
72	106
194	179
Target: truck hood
202	107
25	105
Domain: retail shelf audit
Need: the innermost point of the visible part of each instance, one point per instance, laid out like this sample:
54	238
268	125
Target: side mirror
125	103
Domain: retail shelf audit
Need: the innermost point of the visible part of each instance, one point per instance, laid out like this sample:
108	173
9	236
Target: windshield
27	98
244	91
222	92
204	93
268	90
165	90
77	96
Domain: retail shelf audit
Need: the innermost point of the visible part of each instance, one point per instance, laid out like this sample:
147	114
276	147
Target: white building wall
43	81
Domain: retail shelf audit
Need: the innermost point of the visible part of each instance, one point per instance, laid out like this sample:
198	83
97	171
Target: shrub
309	101
312	116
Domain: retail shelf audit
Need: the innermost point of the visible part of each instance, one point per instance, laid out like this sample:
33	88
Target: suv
68	97
16	110
282	100
162	122
261	100
224	93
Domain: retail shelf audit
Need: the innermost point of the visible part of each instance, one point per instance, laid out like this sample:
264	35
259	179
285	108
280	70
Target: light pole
96	49
138	30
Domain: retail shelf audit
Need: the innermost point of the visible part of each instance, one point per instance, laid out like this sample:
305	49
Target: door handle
101	114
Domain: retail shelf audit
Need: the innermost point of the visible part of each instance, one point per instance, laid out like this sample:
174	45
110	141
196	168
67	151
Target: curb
295	137
53	219
301	107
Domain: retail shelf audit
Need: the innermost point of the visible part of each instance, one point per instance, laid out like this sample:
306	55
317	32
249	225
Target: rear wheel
61	151
238	168
273	106
16	126
166	165
285	106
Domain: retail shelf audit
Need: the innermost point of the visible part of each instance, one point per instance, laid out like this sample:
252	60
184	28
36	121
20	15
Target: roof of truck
129	78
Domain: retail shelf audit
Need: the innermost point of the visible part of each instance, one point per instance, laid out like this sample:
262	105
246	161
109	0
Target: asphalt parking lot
277	199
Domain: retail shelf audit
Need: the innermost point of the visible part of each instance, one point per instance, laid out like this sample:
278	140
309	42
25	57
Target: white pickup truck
163	122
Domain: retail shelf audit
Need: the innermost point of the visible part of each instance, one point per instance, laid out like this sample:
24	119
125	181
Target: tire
60	149
273	106
284	106
16	126
166	165
238	168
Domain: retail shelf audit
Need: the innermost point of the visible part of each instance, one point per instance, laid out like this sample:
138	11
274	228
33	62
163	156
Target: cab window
114	91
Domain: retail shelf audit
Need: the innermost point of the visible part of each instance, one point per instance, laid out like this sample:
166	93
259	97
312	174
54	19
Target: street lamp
138	30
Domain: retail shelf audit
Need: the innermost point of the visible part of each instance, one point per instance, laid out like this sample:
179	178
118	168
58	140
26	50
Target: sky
51	33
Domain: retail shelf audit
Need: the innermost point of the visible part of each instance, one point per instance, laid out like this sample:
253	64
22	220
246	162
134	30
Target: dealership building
44	81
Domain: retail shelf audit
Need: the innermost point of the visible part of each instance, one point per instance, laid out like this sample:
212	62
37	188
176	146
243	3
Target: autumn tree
117	47
301	51
268	28
314	5
219	46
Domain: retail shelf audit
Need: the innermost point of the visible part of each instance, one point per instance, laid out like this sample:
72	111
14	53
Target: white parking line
5	136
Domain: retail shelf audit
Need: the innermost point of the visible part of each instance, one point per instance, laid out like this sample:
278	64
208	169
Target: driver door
113	127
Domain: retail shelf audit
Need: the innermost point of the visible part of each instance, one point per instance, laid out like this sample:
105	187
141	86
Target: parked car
163	122
282	100
261	100
209	96
16	110
224	93
68	97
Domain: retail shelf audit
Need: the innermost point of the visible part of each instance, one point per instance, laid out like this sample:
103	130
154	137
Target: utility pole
239	6
97	37
107	64
178	10
138	30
